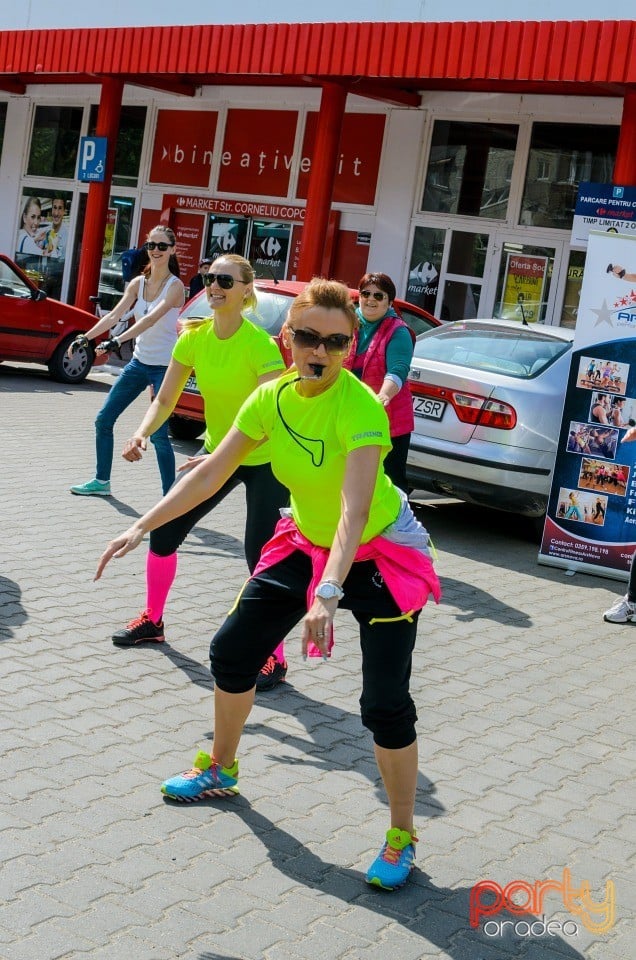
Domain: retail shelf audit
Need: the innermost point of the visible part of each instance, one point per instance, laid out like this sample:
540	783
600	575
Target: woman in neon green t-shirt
230	357
349	538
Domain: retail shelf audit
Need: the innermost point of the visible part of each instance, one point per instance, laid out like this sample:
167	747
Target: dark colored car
274	299
36	329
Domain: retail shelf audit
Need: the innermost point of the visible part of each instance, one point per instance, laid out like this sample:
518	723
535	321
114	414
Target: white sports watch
328	590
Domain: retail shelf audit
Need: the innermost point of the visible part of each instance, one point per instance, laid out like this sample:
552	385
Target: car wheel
183	429
73	369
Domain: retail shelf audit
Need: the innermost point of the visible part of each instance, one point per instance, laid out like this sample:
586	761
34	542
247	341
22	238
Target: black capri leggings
264	496
272	603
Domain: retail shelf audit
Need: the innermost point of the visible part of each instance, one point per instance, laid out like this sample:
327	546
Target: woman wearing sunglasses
230	357
380	356
157	296
349	538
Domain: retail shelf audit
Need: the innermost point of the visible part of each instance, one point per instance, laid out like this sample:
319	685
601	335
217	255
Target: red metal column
98	195
625	166
321	180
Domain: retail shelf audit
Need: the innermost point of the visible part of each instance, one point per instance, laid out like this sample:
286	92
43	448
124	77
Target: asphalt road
525	704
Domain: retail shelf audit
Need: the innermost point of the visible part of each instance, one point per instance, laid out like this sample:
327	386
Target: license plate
191	385
428	408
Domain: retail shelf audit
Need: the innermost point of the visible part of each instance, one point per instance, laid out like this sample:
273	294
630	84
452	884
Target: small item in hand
79	343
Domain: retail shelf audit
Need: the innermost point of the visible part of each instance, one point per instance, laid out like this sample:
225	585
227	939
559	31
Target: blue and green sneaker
392	866
92	488
206	779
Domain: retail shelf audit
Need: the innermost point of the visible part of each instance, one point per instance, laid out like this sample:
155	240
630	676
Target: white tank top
154	346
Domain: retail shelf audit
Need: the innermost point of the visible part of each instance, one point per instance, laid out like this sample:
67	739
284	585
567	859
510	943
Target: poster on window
42	238
524	283
424	267
110	230
591	517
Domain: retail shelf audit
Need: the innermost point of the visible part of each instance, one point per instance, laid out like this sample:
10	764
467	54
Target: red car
36	329
274	299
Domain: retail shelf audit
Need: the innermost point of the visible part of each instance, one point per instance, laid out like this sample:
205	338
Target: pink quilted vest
400	409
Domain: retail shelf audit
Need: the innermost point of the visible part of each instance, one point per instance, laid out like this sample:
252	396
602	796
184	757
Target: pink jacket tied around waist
407	572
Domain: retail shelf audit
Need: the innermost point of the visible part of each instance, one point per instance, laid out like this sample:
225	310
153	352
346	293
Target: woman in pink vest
381	357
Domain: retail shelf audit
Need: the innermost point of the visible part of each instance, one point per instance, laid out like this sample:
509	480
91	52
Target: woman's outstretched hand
119	548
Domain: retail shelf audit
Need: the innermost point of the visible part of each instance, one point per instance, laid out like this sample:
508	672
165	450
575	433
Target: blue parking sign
92	159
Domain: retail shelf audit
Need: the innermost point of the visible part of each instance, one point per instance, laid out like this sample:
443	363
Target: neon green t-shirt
227	372
311	462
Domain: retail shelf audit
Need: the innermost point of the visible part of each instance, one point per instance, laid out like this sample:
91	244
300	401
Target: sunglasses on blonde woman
151	245
335	344
225	280
365	294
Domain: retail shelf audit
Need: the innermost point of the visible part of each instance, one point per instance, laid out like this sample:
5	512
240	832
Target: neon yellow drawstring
403	616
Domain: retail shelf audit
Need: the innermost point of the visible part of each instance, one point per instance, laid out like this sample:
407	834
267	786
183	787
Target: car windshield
522	354
270	312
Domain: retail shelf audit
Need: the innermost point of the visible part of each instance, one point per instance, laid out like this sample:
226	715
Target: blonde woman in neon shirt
230	356
349	538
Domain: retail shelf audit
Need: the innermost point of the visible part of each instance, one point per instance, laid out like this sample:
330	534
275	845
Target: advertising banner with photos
591	517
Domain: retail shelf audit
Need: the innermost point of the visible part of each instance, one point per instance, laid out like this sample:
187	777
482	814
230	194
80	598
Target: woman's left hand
192	462
317	625
119	547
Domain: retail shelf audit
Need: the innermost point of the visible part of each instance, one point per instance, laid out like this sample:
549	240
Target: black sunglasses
365	294
335	344
225	280
151	245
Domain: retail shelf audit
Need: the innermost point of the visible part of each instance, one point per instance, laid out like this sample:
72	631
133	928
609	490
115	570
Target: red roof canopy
388	61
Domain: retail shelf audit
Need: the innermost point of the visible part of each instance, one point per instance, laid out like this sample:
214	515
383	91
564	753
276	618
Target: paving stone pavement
526	745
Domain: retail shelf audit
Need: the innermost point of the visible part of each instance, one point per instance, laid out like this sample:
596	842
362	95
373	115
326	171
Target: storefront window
117	238
523	283
562	156
425	266
130	138
54	142
43	239
573	283
469	169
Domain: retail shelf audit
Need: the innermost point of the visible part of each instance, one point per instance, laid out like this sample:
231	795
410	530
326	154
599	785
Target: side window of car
416	323
11	285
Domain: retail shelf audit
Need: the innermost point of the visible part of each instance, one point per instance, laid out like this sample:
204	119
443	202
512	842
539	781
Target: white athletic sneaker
622	611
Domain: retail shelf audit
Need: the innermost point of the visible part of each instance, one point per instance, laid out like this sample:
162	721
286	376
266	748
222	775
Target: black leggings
272	603
264	496
395	461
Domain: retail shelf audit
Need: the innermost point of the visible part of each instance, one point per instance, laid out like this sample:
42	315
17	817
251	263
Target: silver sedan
488	398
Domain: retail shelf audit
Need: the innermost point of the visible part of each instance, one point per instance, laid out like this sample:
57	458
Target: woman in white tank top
157	296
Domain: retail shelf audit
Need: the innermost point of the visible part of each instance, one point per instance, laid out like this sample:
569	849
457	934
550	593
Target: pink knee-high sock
160	574
279	652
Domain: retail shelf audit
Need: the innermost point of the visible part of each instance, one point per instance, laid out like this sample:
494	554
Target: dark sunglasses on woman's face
365	294
151	245
335	344
225	280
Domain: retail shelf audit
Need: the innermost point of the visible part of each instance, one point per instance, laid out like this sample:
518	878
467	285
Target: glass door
521	279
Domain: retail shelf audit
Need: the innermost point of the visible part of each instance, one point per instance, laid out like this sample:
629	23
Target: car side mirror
39	295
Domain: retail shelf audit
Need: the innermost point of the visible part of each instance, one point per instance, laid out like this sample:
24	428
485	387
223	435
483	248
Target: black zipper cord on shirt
297	437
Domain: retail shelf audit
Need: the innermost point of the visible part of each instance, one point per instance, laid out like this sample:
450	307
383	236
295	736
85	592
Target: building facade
448	155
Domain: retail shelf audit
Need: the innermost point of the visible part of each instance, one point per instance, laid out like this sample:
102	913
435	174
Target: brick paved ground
524	700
